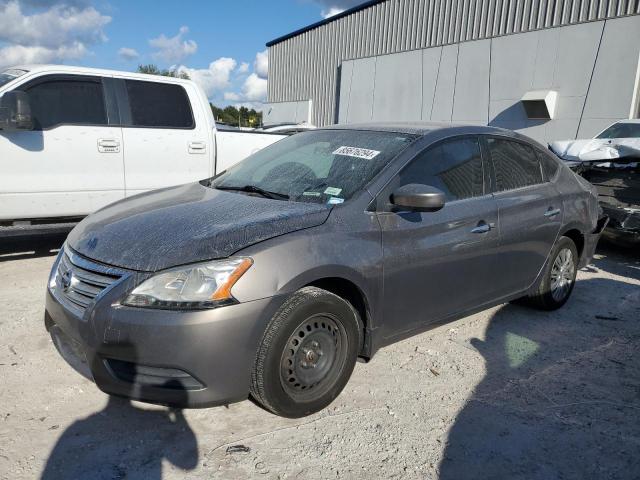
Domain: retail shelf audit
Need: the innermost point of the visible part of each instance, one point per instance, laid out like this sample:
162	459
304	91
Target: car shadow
124	441
34	246
561	394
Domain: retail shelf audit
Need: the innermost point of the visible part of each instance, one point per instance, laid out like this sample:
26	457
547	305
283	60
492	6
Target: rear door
437	264
167	142
529	209
70	164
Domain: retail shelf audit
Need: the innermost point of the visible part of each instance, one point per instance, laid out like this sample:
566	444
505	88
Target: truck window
67	102
159	105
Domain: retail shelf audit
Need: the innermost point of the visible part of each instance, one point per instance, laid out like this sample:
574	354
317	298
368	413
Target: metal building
553	69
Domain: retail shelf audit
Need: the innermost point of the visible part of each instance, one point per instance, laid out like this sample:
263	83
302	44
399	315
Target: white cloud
231	97
128	54
173	49
334	7
331	12
261	64
20	54
243	68
212	79
255	88
59	32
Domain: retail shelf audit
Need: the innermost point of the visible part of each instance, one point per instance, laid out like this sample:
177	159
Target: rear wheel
558	278
307	354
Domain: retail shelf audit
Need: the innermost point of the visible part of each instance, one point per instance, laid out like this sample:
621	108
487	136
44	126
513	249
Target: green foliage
237	117
152	69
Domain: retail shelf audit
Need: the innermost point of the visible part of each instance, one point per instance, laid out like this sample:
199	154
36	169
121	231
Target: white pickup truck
75	139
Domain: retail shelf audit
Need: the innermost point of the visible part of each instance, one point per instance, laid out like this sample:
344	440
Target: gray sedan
272	278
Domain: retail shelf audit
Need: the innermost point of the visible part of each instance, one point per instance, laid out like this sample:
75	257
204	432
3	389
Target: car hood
597	149
186	224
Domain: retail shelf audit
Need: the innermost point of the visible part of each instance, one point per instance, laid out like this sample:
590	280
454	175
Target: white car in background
620	140
611	162
75	139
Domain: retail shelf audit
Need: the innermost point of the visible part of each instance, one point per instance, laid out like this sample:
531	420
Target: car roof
422	128
629	120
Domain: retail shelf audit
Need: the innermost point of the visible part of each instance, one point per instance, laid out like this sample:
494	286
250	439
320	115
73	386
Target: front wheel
307	353
558	278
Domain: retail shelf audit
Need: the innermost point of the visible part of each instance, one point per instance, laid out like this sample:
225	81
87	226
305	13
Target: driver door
437	264
71	163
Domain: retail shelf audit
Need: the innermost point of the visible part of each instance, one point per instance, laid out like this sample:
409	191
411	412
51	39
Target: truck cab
73	140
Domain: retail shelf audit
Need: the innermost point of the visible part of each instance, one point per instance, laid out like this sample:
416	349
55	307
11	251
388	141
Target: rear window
159	105
549	165
515	164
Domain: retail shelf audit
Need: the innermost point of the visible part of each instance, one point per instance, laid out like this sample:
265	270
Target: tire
550	293
307	353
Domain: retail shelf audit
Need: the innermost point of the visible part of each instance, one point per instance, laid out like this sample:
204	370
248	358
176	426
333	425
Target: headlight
205	285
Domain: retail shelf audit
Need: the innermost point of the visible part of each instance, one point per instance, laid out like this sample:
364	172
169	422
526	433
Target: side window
516	165
74	102
160	105
549	165
455	167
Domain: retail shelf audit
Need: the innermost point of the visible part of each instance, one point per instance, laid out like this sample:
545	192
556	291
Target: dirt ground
508	393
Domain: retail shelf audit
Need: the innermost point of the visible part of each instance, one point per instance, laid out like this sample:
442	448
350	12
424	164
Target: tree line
230	115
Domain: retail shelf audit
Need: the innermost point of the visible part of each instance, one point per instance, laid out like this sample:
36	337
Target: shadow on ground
561	395
124	441
17	248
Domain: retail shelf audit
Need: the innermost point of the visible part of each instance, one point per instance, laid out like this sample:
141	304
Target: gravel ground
507	393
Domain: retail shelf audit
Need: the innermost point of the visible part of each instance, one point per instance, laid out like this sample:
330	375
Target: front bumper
187	359
624	227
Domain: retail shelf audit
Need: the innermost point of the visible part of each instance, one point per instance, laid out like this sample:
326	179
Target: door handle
197	147
482	227
552	212
108	145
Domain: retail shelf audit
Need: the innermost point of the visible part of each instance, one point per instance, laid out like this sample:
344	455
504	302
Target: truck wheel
307	353
558	278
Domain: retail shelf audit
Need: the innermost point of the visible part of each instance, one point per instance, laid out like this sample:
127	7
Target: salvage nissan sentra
272	278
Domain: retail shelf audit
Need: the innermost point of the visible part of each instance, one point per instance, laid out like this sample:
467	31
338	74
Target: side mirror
15	111
422	198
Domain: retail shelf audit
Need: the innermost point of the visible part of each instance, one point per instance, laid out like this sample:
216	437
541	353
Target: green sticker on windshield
332	191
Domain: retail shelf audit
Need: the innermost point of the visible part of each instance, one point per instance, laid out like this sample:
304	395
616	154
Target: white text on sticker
357	152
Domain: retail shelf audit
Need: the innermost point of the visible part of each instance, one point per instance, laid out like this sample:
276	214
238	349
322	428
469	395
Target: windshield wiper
255	189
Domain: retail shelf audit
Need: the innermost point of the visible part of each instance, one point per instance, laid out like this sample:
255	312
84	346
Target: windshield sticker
311	194
332	191
335	200
357	152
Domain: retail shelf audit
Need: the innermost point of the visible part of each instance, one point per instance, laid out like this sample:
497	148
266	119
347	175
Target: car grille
79	281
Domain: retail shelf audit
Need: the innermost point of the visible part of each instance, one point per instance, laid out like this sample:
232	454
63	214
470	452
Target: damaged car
610	161
272	278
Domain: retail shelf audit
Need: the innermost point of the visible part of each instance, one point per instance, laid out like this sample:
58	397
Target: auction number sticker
357	152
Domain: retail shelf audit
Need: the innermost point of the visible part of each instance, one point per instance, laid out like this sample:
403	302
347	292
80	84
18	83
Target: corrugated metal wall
306	66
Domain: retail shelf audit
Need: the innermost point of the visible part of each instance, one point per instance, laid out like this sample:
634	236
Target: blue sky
221	44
